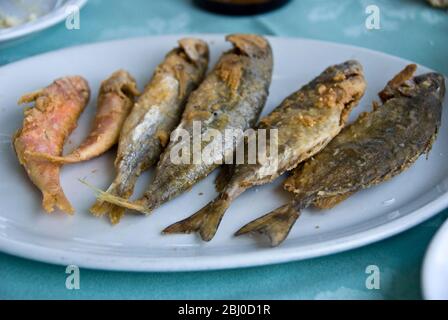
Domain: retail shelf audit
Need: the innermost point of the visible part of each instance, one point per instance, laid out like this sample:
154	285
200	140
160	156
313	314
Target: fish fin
30	97
118	201
224	176
56	199
431	142
404	75
205	222
330	202
275	225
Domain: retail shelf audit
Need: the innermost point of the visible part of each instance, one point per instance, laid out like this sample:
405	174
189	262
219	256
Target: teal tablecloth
409	29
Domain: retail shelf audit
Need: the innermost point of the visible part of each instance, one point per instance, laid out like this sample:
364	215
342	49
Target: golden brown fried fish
230	98
306	121
45	129
375	148
157	112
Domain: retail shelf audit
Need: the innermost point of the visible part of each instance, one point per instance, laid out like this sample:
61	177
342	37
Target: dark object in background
240	7
439	3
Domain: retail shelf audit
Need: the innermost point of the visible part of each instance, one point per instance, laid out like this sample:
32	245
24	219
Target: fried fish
45	129
230	98
157	112
375	148
115	101
306	121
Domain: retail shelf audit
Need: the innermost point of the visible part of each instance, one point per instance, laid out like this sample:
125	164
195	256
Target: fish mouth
194	49
408	85
432	81
353	68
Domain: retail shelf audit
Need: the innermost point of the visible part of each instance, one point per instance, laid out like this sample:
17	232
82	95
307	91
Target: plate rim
46	21
428	263
258	257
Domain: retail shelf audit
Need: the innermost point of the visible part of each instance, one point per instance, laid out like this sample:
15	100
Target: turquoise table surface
408	28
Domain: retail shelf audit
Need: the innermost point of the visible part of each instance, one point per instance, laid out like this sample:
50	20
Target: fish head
348	77
350	67
341	85
196	49
251	45
342	71
404	84
431	83
120	81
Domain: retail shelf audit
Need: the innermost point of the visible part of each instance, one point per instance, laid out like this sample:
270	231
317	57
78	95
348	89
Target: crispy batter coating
231	97
45	129
375	148
306	121
146	131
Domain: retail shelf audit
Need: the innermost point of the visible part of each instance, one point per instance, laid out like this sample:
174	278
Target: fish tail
99	208
275	225
116	213
205	222
56	199
122	202
103	196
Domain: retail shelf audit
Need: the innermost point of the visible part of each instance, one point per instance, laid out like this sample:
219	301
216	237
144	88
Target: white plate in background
136	243
46	14
435	267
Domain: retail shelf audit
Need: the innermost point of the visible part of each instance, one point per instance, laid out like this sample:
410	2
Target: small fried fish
375	148
306	121
45	129
115	101
230	98
157	112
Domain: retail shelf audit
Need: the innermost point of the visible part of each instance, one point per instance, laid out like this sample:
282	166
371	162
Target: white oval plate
435	267
136	243
48	14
